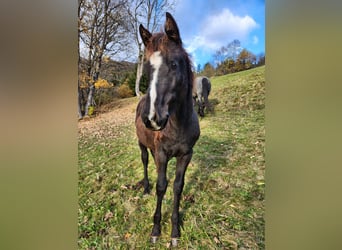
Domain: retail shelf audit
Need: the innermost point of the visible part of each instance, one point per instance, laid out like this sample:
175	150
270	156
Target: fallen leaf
217	241
108	215
127	236
189	198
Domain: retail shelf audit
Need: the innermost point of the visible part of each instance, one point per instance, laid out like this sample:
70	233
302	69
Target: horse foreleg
161	186
144	159
182	164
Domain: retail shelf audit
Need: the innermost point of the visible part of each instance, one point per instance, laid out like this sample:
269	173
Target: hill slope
223	199
112	71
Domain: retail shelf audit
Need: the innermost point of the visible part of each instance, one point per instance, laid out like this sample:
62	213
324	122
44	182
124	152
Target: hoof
174	242
154	239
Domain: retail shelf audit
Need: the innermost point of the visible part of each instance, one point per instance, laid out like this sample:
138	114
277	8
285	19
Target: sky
205	26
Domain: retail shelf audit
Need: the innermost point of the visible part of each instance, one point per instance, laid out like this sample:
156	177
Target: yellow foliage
90	110
124	91
84	79
102	83
106	59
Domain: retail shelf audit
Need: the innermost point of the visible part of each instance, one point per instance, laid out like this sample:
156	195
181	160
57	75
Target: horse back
201	86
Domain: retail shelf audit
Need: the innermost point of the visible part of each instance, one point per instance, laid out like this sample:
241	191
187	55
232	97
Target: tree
208	70
79	30
233	49
223	68
102	30
149	13
225	58
261	59
220	55
246	60
230	63
199	68
230	51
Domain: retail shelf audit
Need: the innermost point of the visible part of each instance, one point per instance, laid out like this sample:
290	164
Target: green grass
223	199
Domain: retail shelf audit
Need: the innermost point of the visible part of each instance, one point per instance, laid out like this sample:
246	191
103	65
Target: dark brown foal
165	120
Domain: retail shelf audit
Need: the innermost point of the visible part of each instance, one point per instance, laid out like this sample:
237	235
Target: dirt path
118	113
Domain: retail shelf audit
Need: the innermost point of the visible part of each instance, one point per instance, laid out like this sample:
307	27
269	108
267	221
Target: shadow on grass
210	109
212	104
210	156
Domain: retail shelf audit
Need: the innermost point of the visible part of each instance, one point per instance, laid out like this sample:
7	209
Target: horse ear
171	29
144	33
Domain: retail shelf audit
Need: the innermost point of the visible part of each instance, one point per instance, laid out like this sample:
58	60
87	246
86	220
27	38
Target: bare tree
79	30
230	51
220	55
102	30
150	14
233	49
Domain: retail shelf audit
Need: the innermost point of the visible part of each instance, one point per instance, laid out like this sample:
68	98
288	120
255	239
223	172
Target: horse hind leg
201	107
144	159
206	102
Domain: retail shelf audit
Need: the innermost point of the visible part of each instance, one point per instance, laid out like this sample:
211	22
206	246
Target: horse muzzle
154	123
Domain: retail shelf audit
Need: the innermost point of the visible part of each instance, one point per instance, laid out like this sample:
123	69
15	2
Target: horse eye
173	65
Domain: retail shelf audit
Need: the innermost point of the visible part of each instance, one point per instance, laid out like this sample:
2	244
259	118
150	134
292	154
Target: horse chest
174	144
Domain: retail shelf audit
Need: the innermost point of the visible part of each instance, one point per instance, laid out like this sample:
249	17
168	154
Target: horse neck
184	110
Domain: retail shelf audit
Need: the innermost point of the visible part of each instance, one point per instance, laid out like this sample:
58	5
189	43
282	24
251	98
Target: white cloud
255	40
220	29
194	43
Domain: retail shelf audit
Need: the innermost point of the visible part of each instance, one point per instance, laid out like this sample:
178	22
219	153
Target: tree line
230	59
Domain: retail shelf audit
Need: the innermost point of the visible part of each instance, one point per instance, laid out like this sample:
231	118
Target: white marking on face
156	61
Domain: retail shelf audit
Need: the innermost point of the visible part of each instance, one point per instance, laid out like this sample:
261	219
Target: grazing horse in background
200	92
165	120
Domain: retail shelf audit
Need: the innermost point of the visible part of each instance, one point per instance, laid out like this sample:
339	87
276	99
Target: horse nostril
162	122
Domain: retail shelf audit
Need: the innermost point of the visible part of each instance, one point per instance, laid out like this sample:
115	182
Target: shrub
143	82
103	83
103	96
124	91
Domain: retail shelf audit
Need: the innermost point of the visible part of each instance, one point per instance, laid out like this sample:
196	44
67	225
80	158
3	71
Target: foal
165	120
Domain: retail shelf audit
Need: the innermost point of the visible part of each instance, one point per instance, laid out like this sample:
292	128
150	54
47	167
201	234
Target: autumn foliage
124	90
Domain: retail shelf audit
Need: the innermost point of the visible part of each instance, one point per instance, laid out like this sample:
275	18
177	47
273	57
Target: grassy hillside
223	199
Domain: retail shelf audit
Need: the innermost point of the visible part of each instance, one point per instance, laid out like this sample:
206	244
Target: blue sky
206	26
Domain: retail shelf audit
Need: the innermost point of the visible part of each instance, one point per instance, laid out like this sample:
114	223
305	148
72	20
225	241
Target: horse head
169	74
